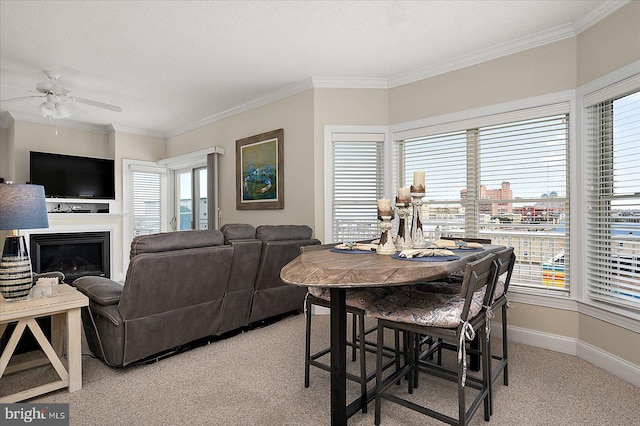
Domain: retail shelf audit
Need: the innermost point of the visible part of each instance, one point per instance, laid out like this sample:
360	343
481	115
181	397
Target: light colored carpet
257	378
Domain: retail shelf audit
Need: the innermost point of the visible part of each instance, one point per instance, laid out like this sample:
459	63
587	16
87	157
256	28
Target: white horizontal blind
506	180
613	201
357	184
443	158
147	200
523	199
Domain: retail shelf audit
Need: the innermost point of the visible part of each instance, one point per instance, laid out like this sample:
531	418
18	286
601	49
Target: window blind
506	180
523	196
613	200
147	200
357	183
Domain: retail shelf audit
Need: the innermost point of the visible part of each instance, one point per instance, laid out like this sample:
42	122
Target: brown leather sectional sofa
184	286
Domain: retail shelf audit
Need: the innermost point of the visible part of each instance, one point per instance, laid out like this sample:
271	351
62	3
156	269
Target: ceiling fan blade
19	88
97	104
20	98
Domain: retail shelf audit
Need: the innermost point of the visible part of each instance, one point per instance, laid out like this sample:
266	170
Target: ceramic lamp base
16	279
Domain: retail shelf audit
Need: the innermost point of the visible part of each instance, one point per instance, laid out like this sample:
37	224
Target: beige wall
546	320
4	153
294	114
610	44
615	340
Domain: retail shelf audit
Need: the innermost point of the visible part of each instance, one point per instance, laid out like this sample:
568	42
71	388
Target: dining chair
356	301
451	319
506	262
506	259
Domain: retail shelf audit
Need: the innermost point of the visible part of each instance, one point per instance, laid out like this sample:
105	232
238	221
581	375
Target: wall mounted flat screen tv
68	176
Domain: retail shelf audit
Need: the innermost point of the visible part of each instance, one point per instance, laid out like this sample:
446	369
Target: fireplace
75	254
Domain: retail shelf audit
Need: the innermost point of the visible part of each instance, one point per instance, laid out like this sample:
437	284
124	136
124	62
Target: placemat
427	258
354	251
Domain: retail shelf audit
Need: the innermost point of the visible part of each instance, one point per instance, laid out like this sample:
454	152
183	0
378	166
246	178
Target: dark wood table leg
338	357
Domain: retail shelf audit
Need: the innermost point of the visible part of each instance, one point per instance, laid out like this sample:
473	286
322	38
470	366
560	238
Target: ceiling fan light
62	111
47	109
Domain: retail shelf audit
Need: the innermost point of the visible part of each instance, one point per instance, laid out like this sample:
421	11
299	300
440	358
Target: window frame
329	130
615	84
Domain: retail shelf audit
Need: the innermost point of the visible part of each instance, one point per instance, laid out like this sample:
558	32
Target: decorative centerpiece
385	215
417	191
403	203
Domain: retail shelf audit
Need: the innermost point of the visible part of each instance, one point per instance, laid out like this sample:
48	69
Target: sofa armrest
100	290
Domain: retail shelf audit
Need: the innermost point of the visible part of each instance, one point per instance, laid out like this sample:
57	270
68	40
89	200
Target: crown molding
281	93
37	118
505	49
350	83
133	130
598	14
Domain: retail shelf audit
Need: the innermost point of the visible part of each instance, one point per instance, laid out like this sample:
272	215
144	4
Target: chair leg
505	371
486	366
354	337
462	411
363	363
380	344
397	351
485	350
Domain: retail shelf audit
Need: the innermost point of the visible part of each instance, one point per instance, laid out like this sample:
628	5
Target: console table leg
74	349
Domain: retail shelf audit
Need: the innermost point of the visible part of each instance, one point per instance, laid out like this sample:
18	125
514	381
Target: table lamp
21	207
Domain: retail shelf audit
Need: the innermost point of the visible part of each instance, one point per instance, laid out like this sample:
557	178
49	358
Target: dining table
339	270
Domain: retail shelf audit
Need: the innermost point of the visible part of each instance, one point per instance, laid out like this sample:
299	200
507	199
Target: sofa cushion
169	241
238	231
283	232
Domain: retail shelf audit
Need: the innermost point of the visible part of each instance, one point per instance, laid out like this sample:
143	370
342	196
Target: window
191	202
613	195
145	199
357	182
502	177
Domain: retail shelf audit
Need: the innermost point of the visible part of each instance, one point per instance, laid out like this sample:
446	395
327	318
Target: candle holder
403	241
417	235
386	245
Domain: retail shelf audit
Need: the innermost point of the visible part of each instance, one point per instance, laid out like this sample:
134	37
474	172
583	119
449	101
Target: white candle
403	194
418	179
384	204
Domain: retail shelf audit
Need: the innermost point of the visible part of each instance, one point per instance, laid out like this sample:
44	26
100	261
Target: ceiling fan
56	96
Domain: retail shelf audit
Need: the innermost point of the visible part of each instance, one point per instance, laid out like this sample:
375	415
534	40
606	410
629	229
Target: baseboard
610	363
596	356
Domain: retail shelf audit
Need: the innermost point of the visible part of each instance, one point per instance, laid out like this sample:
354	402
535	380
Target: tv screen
69	176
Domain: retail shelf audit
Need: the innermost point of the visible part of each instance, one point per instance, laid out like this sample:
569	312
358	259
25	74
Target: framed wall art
260	171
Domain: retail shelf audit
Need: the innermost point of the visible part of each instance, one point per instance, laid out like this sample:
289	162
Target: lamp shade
22	206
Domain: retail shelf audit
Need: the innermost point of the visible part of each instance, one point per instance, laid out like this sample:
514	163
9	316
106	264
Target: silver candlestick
417	235
403	241
386	245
